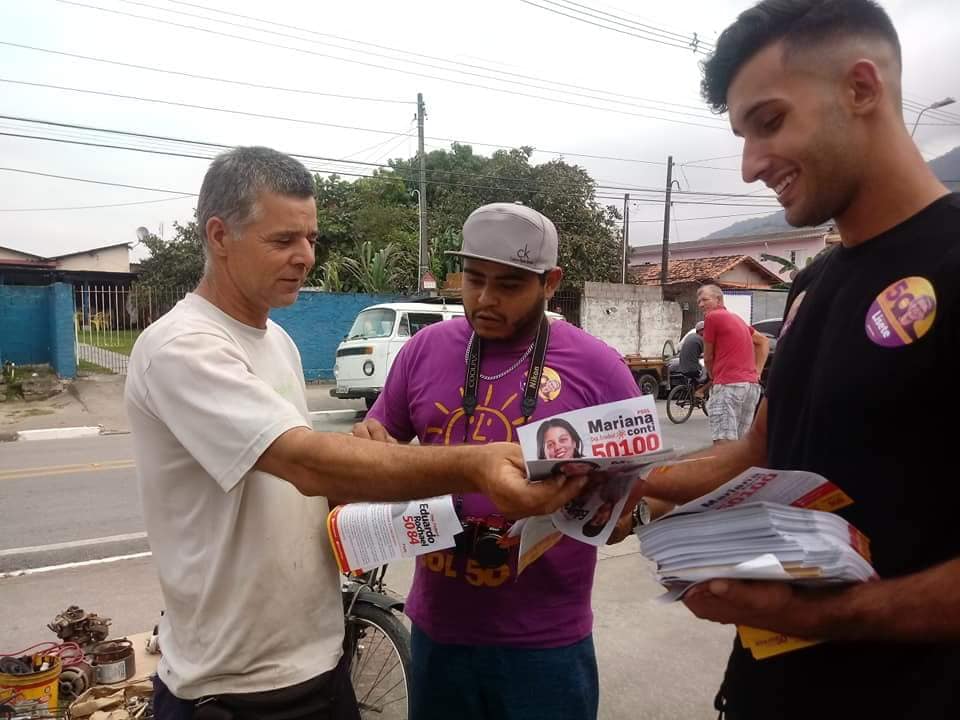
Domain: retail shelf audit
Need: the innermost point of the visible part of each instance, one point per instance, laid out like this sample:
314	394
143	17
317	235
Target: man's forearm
700	472
352	470
924	607
706	470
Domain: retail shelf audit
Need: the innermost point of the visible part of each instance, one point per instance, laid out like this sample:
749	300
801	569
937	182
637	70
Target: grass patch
93	368
118	341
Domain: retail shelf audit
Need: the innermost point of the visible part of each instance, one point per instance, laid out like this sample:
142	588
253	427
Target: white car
365	356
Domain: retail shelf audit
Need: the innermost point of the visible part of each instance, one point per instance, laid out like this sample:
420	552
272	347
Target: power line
385	155
401	51
706	217
360	129
96	207
315	157
434	171
693	163
405	133
918	105
95	182
195	76
652	34
517	184
382	178
605	27
207	108
409	72
663	32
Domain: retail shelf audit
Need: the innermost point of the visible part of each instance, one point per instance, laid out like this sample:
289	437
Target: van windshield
373	323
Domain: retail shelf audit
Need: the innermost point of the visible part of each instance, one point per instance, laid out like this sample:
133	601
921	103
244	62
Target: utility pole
626	236
664	271
424	247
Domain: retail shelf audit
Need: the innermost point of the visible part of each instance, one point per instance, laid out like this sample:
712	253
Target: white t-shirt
248	577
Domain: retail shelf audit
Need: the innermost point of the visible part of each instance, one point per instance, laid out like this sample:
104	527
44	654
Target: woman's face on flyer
557	444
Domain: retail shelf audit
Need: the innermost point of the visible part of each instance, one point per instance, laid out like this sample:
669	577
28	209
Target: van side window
404	329
418	321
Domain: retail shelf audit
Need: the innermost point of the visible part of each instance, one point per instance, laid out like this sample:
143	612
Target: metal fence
109	318
566	301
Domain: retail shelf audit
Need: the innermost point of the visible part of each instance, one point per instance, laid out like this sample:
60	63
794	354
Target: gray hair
712	289
236	178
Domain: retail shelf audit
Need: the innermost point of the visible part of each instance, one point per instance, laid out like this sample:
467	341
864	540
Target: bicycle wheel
680	404
379	647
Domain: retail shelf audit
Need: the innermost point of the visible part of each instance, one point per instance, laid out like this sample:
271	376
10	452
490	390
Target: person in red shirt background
734	354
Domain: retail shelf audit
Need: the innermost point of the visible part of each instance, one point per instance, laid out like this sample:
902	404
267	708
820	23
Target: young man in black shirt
813	88
691	350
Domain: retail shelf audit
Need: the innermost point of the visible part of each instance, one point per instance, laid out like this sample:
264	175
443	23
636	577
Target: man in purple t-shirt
734	354
487	642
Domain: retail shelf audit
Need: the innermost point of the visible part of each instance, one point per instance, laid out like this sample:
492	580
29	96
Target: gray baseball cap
510	234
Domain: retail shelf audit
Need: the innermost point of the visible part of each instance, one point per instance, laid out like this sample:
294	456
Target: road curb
66	433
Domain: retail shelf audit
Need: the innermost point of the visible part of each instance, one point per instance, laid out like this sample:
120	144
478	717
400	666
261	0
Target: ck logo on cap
523	254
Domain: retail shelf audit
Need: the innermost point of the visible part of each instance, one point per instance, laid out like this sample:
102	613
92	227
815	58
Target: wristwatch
641	514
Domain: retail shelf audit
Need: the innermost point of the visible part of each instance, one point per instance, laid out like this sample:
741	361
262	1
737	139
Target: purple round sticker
903	313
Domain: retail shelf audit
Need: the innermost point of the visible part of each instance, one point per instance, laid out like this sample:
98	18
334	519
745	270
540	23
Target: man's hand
776	606
501	475
624	527
371	429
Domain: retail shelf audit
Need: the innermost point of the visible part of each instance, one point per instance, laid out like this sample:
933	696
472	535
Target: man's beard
526	326
529	323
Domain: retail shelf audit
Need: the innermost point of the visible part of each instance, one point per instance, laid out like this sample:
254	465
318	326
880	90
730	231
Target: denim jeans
469	682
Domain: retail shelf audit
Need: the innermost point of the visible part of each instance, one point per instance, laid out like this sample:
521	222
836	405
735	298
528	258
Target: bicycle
683	398
377	644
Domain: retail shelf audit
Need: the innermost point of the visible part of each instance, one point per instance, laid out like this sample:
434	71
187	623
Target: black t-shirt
690	352
862	393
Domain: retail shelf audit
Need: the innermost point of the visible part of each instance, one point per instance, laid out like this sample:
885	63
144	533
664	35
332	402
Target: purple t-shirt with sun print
453	600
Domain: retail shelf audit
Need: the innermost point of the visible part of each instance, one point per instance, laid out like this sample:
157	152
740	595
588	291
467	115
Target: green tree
459	181
176	263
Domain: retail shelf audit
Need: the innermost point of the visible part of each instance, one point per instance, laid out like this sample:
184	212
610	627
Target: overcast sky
656	89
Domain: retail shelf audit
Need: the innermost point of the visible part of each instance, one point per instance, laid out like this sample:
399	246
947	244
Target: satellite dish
142	233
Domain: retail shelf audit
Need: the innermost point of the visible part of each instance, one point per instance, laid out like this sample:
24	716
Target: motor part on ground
76	680
80	627
113	661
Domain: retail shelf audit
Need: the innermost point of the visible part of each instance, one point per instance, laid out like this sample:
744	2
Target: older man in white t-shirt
234	482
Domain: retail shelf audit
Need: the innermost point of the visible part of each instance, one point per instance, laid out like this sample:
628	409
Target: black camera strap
531	389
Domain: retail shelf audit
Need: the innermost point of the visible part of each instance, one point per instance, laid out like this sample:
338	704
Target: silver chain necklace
498	376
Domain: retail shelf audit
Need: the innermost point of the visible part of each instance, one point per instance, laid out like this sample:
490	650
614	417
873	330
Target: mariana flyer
611	443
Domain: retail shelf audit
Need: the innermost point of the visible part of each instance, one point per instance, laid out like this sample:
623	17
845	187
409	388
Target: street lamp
933	106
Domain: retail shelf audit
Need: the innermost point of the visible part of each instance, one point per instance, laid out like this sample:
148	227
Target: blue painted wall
36	326
317	323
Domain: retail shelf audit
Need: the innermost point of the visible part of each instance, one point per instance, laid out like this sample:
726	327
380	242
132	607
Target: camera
481	540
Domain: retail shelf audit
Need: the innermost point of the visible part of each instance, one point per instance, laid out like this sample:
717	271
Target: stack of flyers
762	525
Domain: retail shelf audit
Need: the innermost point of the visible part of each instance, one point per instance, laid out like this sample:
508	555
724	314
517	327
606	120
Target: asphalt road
71	532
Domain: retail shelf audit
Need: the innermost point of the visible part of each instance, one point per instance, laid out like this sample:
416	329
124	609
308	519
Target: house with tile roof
751	290
799	246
